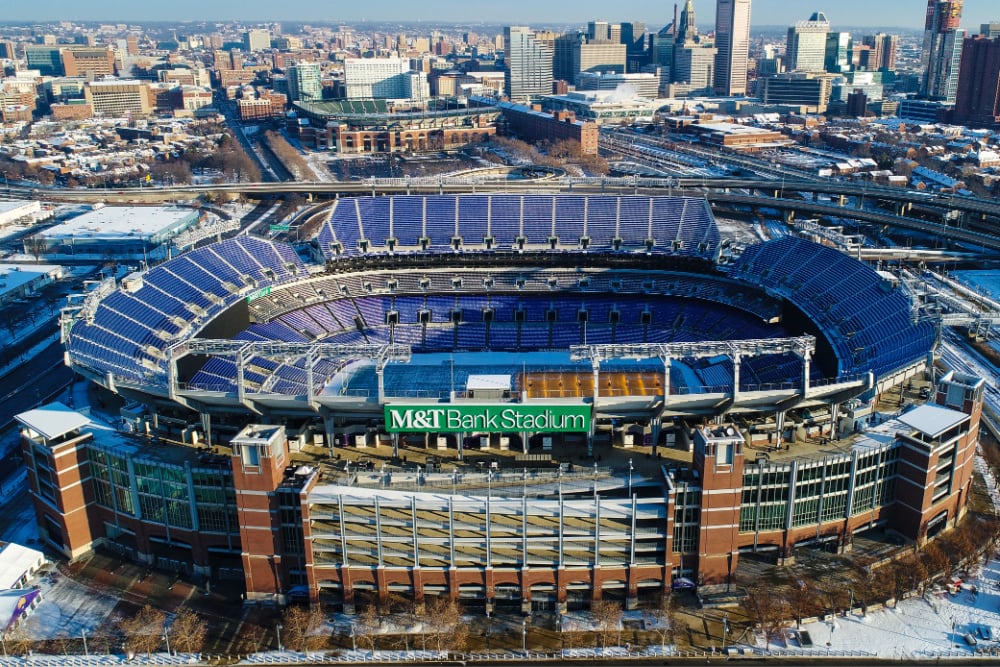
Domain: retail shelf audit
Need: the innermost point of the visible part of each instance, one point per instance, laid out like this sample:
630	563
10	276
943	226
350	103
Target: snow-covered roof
932	420
53	420
488	382
16	561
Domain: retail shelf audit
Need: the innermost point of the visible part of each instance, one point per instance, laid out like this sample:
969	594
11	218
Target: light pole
354	638
166	638
524	636
277	629
83	633
725	631
630	478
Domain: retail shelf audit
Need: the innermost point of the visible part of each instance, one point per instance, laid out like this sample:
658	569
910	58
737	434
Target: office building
942	50
91	62
563	55
805	49
839	52
883	52
633	36
383	78
304	82
115	98
46	59
808	91
527	64
977	101
603	56
990	30
694	57
732	41
256	40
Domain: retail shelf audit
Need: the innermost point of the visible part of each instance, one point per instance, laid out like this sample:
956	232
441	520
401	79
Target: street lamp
630	478
277	628
524	636
166	638
83	633
354	640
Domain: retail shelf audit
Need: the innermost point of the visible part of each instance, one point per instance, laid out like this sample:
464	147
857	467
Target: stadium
620	374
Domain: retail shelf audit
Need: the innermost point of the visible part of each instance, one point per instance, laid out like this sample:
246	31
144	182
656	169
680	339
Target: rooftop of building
15	276
115	222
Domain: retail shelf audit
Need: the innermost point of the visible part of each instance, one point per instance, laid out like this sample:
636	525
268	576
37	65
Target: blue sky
901	13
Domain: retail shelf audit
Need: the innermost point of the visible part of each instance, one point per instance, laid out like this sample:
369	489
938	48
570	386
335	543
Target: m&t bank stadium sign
488	418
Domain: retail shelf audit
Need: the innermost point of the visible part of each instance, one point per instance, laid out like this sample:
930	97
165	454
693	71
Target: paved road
33	383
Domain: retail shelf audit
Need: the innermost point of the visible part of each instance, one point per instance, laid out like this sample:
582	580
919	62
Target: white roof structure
482	382
17	564
53	420
15	276
116	222
932	419
15	210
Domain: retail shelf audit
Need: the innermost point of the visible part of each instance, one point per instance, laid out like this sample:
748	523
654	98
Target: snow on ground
920	626
926	626
67	607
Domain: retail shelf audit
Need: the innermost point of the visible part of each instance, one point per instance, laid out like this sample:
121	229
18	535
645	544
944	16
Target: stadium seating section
867	321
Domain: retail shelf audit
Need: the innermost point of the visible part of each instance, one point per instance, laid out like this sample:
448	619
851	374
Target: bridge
717	190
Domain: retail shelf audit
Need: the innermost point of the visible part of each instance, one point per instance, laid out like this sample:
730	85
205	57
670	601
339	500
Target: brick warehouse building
549	334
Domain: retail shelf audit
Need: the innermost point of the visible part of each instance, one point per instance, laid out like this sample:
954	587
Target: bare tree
35	245
936	559
802	599
187	632
299	623
660	620
445	627
144	631
367	626
768	609
17	640
607	617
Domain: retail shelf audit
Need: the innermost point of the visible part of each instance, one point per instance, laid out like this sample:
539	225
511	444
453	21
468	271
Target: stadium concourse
491	349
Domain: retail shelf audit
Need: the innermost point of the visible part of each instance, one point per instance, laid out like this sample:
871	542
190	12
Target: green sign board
280	228
263	291
487	418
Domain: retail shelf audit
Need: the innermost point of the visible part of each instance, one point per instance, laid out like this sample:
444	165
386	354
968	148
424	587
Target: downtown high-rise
527	64
732	39
942	50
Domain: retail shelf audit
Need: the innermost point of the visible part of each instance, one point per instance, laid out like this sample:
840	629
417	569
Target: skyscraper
694	58
883	51
978	99
732	39
942	52
839	52
805	50
527	64
304	82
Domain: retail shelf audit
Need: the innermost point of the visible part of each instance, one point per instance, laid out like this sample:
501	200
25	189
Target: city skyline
892	13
